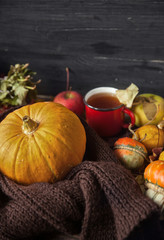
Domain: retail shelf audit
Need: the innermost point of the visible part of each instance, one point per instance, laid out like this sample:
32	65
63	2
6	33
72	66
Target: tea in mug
103	100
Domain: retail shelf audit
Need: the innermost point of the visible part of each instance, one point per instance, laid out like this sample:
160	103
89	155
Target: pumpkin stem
141	140
133	132
29	125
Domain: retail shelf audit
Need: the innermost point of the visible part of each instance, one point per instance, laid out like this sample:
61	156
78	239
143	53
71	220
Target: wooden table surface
103	42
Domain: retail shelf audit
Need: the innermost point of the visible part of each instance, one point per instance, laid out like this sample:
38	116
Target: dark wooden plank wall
103	42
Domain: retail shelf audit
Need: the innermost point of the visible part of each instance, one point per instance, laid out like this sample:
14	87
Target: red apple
71	99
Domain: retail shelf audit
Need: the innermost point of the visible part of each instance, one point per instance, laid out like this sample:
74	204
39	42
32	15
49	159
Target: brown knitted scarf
98	200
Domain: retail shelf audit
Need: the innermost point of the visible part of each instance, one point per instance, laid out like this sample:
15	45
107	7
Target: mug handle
131	115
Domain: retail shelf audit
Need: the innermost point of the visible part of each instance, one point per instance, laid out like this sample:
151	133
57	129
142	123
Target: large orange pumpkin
40	143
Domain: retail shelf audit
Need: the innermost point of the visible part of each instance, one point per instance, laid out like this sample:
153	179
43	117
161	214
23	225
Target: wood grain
104	43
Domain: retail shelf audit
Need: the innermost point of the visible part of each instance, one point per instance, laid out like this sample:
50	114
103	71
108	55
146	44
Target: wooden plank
106	43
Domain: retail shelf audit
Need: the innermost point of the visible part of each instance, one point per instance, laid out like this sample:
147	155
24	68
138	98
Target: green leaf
21	93
3	95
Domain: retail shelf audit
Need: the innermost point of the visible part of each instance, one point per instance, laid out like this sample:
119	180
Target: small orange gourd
154	176
154	181
130	152
40	142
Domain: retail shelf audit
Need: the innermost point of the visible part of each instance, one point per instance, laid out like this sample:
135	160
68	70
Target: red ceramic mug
105	113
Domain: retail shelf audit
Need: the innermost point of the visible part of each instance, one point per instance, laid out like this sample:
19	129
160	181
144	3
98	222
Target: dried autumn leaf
128	95
18	88
155	153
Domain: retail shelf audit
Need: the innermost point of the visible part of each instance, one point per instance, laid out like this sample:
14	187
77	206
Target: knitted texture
99	200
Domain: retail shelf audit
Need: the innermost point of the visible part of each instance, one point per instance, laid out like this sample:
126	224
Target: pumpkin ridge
140	152
15	161
159	171
13	172
9	119
40	111
9	124
16	112
9	139
35	114
61	142
44	157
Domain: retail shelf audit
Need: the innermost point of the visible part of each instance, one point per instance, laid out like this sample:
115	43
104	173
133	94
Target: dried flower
17	88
